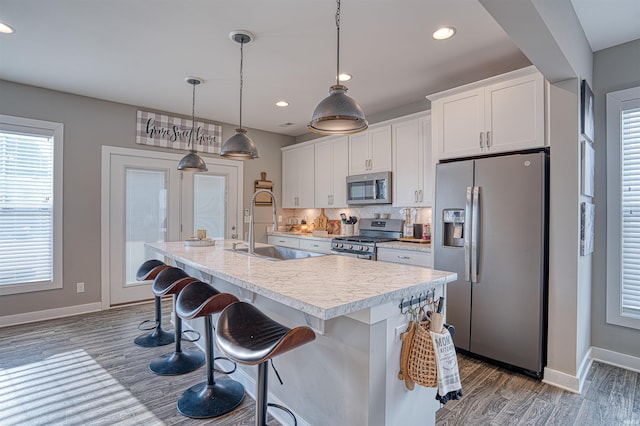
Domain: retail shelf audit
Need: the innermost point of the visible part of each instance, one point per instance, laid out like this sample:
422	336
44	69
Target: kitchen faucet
252	231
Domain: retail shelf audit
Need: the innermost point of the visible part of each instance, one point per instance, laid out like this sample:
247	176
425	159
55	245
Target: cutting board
333	226
415	240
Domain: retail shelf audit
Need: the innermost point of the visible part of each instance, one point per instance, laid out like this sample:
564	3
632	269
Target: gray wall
88	125
614	69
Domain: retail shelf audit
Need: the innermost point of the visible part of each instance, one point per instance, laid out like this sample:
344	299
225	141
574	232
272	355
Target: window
623	207
30	205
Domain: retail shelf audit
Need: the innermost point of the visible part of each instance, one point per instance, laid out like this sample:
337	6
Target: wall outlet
246	212
80	287
247	219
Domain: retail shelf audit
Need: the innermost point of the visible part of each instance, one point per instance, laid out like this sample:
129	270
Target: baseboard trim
628	362
48	314
567	381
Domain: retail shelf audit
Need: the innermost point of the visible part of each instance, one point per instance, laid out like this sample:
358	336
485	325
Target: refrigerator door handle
467	235
475	229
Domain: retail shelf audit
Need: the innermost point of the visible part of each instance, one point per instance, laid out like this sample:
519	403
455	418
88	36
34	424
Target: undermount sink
278	253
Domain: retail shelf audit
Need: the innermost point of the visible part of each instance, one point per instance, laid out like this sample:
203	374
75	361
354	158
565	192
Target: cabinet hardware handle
488	139
481	145
404	257
281	241
415	196
315	245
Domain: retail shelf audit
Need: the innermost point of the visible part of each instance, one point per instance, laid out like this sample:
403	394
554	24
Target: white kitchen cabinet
407	257
284	241
315	245
298	180
331	170
505	113
412	169
370	151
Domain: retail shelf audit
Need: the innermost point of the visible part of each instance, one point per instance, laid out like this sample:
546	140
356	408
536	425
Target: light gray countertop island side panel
325	287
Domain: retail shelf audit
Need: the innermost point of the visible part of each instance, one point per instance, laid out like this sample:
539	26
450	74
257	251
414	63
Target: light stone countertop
324	287
403	245
306	235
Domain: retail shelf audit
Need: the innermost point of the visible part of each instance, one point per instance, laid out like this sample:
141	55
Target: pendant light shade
240	146
338	114
192	161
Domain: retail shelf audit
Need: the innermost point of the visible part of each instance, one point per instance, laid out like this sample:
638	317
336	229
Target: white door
146	199
145	207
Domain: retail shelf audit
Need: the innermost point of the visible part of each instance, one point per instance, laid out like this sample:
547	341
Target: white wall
615	69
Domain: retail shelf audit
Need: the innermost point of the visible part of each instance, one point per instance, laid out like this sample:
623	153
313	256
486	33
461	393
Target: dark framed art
586	112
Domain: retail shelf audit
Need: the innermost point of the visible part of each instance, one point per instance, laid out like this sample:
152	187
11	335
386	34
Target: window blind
630	291
26	208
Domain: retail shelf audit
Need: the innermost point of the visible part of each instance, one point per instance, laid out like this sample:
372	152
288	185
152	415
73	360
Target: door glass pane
209	205
145	216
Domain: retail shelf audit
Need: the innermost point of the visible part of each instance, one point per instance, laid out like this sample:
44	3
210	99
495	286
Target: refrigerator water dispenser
453	227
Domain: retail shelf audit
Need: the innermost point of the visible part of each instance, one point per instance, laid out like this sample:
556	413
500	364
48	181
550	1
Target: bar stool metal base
158	337
176	363
204	401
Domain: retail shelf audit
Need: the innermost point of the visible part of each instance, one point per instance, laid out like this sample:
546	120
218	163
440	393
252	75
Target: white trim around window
616	103
56	130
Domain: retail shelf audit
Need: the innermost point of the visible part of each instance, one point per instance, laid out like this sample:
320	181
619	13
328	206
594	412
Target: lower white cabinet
407	257
315	245
284	241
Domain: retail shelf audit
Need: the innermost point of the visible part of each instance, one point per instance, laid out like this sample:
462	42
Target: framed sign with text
174	132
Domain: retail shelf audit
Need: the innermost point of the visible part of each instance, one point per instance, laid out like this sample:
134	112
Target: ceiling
140	52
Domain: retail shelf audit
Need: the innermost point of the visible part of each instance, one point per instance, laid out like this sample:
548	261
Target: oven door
368	256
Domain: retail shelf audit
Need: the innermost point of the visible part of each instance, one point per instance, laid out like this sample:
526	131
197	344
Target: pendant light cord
193	117
338	44
241	77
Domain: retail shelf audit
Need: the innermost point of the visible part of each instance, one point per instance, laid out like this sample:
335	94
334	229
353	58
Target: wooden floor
85	370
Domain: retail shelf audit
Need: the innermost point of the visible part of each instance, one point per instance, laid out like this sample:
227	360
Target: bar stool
248	336
158	337
211	398
172	281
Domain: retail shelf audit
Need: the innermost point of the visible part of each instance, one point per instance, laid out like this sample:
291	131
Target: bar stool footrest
148	328
204	401
286	410
218	370
190	339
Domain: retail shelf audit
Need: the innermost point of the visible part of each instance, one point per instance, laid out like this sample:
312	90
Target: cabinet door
323	173
514	114
340	156
284	241
359	153
380	149
289	179
429	172
408	163
460	124
306	178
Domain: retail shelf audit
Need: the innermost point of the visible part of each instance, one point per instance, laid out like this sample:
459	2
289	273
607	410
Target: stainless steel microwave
372	188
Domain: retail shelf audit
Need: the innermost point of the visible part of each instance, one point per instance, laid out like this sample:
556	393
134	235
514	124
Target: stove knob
365	248
361	248
341	245
350	246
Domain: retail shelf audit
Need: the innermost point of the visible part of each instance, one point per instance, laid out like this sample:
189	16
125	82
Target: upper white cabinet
370	151
412	169
505	113
298	181
331	170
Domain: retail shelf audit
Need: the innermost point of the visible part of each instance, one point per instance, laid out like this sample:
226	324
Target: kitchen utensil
417	230
343	217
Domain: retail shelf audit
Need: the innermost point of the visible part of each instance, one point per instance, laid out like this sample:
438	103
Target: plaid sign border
174	132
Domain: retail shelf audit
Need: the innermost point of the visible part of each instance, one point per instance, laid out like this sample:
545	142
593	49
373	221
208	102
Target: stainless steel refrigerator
491	228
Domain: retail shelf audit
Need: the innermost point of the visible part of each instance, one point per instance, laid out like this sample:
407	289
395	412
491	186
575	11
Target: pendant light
192	161
338	114
240	146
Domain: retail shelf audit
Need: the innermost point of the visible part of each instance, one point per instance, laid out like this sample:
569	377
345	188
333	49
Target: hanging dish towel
449	386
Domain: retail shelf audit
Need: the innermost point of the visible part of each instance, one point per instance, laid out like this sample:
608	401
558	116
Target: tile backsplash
423	215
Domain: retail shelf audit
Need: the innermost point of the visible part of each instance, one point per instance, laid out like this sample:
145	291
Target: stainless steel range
372	231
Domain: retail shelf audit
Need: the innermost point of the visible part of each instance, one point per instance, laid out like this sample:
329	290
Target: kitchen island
348	375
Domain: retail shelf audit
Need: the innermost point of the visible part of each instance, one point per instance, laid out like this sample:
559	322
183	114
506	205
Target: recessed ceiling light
282	104
6	29
344	76
444	33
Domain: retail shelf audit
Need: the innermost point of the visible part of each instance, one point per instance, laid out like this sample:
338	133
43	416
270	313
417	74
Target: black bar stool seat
248	336
212	398
171	281
158	337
